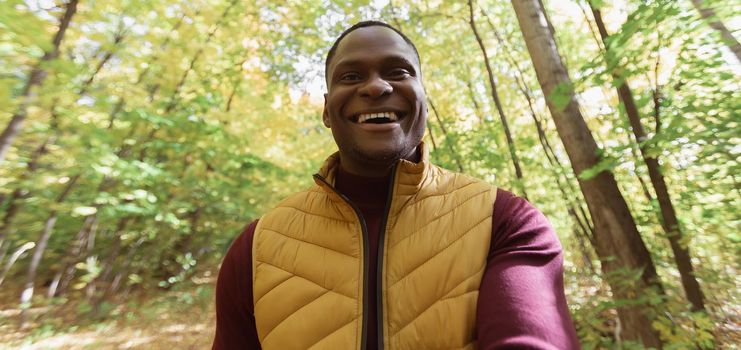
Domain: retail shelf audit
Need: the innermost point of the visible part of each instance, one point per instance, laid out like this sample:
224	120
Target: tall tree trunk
709	15
575	208
121	153
583	227
618	243
46	233
669	219
32	165
495	96
90	221
35	78
172	102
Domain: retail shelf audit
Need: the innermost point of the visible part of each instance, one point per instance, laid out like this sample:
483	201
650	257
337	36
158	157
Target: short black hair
364	24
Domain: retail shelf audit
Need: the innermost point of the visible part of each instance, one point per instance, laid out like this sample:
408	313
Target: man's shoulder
310	200
449	180
299	197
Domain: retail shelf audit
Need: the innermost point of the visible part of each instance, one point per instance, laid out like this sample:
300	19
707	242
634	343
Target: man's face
375	105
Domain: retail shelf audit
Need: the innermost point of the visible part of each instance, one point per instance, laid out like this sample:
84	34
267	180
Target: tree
35	78
618	243
669	221
495	96
709	14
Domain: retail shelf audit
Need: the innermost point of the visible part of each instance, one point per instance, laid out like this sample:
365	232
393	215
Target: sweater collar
408	175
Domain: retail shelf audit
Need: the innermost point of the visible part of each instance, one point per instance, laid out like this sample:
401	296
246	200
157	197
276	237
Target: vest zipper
366	264
379	258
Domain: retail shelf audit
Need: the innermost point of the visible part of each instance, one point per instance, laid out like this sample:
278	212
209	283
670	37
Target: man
387	250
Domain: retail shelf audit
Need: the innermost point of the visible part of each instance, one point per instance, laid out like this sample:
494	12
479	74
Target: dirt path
169	334
165	324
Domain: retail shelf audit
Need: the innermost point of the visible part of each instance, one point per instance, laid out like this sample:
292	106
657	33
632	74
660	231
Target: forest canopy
140	137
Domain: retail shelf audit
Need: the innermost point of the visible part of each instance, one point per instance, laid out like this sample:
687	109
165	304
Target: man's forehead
373	39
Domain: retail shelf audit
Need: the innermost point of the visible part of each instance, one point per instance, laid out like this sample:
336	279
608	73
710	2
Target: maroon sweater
521	301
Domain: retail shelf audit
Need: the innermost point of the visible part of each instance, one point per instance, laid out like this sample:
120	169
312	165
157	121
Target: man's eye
399	73
350	77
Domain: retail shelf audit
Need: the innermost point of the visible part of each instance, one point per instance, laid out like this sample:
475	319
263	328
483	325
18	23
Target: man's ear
325	114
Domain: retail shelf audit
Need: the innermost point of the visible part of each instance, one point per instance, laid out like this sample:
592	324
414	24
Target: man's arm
521	300
235	320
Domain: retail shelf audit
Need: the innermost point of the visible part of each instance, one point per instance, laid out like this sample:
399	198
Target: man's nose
375	87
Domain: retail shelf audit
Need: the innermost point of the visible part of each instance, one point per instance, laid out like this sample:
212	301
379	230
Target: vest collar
407	173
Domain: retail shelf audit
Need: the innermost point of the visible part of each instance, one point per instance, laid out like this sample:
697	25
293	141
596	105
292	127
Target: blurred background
140	137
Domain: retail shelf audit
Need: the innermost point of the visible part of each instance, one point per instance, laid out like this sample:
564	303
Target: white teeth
366	116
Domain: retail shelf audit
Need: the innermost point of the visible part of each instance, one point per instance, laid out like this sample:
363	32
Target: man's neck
362	190
376	169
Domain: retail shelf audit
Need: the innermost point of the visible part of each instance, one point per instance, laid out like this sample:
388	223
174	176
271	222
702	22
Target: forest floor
172	320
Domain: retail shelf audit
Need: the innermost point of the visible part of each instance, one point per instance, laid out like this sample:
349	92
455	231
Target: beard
387	156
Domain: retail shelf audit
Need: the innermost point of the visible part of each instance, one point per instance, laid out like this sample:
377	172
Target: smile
377	118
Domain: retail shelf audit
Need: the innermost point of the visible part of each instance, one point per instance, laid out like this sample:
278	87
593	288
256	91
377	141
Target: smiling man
388	250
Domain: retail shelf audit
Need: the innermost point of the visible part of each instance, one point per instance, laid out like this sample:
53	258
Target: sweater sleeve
235	319
521	299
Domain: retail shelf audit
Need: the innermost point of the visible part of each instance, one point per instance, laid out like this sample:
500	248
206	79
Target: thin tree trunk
634	150
124	272
669	220
618	243
46	233
709	15
106	182
35	78
236	82
445	133
113	254
231	96
65	273
4	248
14	257
495	96
474	101
174	97
124	151
432	137
54	284
80	245
198	54
580	233
117	39
32	165
20	193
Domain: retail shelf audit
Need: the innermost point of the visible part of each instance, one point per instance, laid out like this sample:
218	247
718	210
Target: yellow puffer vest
309	266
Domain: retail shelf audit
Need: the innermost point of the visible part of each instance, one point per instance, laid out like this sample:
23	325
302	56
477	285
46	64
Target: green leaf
561	95
606	163
84	211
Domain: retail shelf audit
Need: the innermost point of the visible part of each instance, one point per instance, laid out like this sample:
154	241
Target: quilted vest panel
308	264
